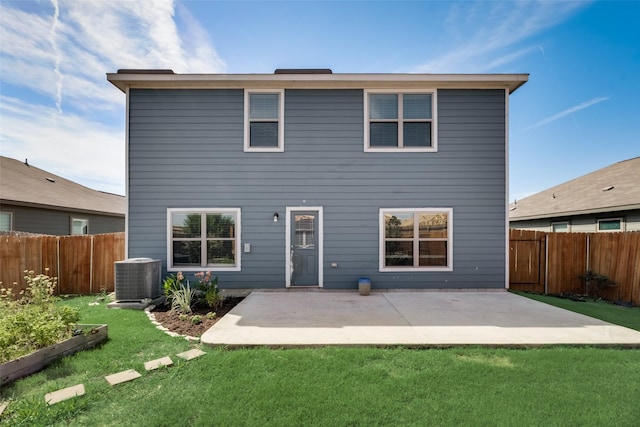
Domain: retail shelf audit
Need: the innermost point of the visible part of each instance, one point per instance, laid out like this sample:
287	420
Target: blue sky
580	110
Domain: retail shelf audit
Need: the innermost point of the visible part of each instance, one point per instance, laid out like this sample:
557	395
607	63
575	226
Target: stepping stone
3	406
158	363
122	377
191	354
64	394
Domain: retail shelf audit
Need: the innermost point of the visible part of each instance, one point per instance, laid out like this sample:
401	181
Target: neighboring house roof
25	185
611	189
311	79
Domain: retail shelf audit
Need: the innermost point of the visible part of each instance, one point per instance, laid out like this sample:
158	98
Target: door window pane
304	231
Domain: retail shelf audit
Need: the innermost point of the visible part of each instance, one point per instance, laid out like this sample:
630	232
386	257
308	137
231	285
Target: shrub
182	299
595	283
208	289
33	321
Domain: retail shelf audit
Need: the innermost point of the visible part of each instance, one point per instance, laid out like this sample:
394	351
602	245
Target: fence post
588	249
91	267
546	264
58	261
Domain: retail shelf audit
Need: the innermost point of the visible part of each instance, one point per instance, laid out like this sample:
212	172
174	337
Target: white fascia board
318	81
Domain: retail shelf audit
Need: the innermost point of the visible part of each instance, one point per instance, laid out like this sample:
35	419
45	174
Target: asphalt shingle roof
613	188
29	186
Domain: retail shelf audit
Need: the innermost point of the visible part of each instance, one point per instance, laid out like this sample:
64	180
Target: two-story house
309	178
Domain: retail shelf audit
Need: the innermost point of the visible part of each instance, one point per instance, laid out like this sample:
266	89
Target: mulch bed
171	320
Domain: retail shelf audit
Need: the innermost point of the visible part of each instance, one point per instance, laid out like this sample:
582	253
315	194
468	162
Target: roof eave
577	212
6	202
152	80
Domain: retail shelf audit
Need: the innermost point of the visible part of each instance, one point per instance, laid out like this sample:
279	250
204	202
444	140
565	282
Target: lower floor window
416	239
200	238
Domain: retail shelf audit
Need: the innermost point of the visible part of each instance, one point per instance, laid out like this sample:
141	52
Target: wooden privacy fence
82	264
551	262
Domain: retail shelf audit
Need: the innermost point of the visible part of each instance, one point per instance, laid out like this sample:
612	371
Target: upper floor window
79	226
6	223
400	121
560	227
610	224
203	238
264	123
416	239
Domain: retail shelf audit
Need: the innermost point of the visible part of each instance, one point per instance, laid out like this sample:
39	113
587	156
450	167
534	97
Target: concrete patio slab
415	318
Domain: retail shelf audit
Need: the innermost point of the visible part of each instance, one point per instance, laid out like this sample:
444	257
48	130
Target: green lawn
619	315
328	386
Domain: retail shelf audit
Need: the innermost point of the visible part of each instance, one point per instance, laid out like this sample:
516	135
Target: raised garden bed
91	336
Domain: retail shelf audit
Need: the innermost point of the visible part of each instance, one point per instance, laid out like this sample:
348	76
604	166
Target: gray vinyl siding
58	222
186	151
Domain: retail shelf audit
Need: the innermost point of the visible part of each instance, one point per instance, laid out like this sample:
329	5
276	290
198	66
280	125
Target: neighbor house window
416	239
560	227
6	221
264	127
400	121
610	224
203	239
79	226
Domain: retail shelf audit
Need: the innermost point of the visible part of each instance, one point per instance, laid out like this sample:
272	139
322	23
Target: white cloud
54	57
483	35
68	145
569	111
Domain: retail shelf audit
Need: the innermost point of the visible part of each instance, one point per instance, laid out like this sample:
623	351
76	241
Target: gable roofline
22	184
613	188
167	79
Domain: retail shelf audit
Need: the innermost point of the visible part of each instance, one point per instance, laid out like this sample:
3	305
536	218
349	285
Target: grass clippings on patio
327	386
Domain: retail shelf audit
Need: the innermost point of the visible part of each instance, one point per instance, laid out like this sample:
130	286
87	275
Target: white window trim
568	230
247	122
236	211
10	219
434	121
381	240
622	225
79	219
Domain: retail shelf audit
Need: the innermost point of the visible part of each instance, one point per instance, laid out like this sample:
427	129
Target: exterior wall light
275	217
